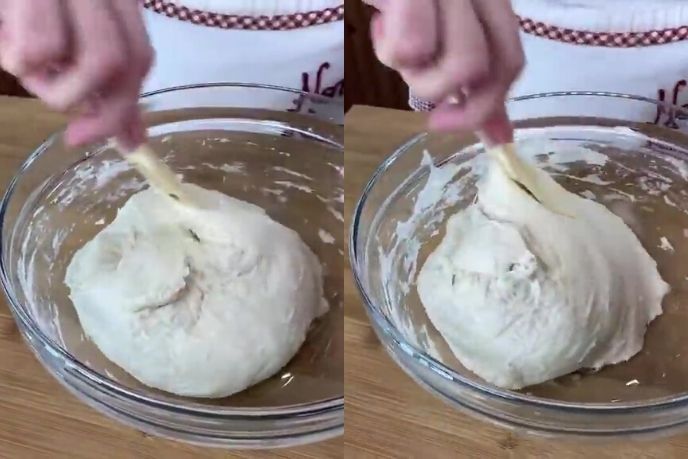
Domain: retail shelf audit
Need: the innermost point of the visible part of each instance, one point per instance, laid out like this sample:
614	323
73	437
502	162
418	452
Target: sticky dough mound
198	302
523	295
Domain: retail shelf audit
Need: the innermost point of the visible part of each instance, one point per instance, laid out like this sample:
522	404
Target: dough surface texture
200	302
523	295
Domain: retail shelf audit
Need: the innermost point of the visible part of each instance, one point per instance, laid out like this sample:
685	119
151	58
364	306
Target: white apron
291	43
637	47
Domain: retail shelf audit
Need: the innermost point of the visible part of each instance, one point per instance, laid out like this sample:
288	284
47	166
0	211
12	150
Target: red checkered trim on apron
606	39
232	21
581	37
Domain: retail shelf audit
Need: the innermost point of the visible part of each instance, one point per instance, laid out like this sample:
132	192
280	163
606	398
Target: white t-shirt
637	47
291	43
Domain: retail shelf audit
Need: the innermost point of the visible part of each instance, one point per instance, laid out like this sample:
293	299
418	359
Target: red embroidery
335	90
668	117
661	95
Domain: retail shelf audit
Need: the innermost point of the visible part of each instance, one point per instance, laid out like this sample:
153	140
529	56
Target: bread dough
200	302
523	295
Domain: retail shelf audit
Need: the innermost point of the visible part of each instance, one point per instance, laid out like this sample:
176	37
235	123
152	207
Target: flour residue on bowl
78	190
287	171
665	245
325	236
235	167
296	186
280	187
86	177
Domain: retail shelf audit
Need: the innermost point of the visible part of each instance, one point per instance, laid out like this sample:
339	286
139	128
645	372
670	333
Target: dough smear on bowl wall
523	295
198	301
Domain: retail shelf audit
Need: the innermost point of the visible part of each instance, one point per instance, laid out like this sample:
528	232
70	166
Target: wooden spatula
158	174
541	187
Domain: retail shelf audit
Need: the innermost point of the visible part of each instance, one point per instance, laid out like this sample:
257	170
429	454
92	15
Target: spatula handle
158	174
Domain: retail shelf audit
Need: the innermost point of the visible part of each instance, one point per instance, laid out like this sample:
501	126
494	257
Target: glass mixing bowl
274	147
627	154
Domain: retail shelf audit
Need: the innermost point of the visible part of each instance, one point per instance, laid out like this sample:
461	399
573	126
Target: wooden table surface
38	418
387	414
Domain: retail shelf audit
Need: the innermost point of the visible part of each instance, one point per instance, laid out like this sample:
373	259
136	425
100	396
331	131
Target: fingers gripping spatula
497	136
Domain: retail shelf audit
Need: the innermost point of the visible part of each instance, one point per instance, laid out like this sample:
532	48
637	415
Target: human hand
446	49
87	57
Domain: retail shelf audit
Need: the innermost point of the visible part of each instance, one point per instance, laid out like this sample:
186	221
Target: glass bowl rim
383	325
320	407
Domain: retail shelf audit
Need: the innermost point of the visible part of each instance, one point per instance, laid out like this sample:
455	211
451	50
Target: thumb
134	132
497	129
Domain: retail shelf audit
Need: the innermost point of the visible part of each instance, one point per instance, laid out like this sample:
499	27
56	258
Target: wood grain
38	418
387	414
